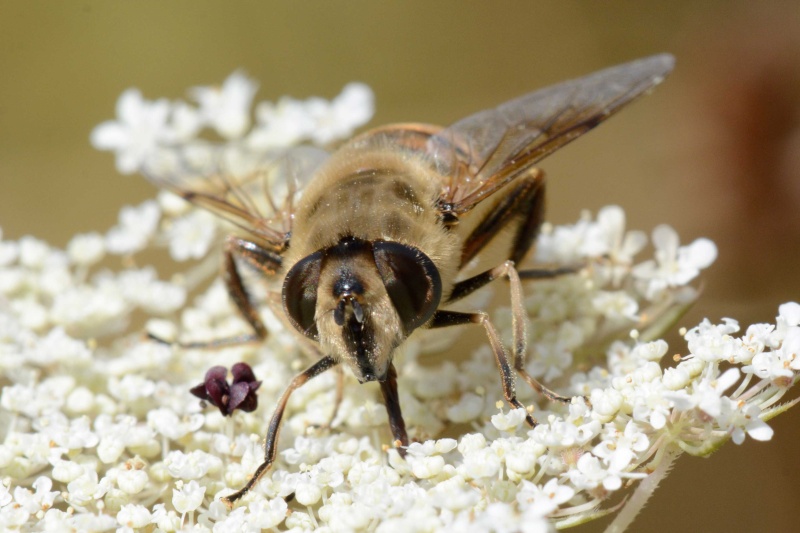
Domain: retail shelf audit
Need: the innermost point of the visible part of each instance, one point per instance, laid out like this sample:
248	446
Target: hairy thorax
374	194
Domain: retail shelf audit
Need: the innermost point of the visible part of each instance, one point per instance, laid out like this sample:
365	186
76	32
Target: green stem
643	492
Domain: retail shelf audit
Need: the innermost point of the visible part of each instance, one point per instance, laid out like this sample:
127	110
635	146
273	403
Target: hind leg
522	205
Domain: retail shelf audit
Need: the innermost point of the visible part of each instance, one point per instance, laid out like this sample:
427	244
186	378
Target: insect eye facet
300	294
411	280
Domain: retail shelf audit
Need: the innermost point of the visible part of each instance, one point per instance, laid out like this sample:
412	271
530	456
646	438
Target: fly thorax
360	299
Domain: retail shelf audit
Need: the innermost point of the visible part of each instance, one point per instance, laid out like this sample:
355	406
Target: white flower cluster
98	430
162	137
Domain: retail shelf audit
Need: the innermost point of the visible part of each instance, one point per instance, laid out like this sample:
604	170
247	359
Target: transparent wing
259	201
482	153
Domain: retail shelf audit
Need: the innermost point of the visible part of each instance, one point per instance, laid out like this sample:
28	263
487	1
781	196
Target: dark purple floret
240	394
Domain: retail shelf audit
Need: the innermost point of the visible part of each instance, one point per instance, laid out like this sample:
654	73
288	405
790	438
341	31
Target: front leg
392	401
271	444
261	259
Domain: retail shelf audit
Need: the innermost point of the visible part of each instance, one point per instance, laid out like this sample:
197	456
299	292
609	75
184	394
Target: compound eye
411	280
300	294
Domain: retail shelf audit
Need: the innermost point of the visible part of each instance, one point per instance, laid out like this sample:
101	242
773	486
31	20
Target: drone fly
370	247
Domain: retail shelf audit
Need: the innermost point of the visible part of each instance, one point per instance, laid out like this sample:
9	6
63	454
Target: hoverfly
372	246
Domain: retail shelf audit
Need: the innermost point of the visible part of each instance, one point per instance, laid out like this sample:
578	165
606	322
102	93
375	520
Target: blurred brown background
714	152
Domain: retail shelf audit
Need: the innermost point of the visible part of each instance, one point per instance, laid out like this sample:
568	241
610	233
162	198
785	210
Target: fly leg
442	319
271	444
392	401
520	337
522	205
258	257
520	334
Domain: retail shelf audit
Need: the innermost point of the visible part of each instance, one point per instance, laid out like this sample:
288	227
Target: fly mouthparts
341	308
370	376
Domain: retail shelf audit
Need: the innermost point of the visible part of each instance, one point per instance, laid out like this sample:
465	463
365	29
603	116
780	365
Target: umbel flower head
99	431
240	394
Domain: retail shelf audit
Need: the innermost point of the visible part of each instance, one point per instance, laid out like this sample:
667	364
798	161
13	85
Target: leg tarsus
541	389
209	345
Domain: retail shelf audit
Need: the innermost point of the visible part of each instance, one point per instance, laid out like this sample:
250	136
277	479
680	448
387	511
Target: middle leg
519	333
522	205
442	319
